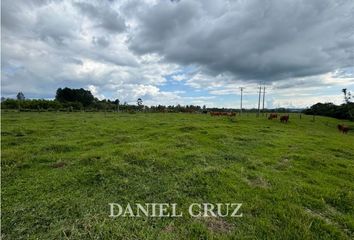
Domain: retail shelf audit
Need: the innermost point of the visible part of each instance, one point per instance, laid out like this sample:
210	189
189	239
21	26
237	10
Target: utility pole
263	100
241	101
117	105
259	100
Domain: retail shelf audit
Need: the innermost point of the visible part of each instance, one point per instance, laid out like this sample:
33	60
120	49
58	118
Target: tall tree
20	96
139	102
81	95
117	103
347	95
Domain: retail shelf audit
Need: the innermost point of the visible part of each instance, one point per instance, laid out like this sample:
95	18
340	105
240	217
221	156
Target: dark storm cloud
48	44
207	44
253	40
300	83
107	18
100	41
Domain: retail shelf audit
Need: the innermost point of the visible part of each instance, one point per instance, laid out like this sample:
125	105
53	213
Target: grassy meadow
60	171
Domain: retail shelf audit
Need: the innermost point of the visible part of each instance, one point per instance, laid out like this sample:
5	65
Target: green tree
81	95
347	95
139	102
116	102
20	96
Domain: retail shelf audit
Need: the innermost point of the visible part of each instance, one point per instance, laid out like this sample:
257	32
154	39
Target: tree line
343	111
67	99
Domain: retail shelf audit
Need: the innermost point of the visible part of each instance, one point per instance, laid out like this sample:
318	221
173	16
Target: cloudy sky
186	51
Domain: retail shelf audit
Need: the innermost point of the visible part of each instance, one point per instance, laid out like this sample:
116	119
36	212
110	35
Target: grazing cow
231	114
272	115
189	110
343	129
284	118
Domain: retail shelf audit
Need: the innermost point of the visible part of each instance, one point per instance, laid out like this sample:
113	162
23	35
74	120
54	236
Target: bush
344	111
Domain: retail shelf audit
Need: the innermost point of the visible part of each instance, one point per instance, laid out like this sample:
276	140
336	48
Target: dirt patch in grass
58	165
169	229
257	181
283	164
217	225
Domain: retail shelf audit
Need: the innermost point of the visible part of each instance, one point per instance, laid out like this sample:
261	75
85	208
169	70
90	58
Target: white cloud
302	51
95	92
305	101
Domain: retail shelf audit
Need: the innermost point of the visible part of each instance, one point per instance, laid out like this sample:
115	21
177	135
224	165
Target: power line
263	99
259	100
241	100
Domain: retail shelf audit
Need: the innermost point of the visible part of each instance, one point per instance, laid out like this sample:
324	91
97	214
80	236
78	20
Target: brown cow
343	129
284	118
272	115
231	114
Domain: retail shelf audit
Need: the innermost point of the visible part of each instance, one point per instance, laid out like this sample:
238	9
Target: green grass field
60	171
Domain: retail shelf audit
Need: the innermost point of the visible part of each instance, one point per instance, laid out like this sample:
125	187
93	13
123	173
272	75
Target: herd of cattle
283	119
230	114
